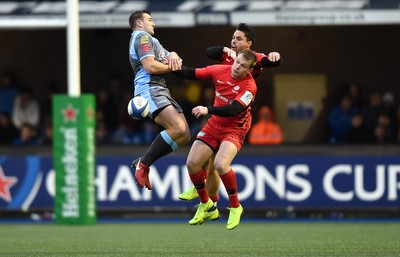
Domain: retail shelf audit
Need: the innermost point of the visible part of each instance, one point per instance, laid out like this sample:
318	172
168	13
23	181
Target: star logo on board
70	113
90	113
5	184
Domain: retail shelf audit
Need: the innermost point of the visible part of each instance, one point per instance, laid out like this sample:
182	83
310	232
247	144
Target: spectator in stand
26	109
372	111
8	92
356	94
103	136
389	104
265	131
384	131
28	136
46	132
340	119
8	132
380	135
357	132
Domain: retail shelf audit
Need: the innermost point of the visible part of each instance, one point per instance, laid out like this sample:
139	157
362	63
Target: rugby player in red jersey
242	39
224	133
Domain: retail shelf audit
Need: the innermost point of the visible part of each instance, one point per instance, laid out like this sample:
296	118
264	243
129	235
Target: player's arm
271	60
186	73
151	66
217	52
229	110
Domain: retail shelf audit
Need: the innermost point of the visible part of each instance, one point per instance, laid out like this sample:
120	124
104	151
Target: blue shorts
159	98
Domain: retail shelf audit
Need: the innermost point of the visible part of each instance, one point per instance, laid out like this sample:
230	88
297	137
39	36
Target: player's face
239	42
148	24
240	68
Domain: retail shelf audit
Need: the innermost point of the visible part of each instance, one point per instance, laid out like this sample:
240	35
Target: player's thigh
210	164
224	157
198	155
169	118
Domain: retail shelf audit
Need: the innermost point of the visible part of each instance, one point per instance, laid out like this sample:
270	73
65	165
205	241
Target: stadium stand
189	13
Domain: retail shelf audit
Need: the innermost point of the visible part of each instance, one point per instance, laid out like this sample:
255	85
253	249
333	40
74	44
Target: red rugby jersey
228	89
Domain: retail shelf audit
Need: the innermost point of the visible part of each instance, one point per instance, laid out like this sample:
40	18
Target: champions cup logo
19	190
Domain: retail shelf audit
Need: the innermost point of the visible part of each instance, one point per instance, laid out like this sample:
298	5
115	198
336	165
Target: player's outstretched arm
229	110
151	66
216	52
272	60
186	73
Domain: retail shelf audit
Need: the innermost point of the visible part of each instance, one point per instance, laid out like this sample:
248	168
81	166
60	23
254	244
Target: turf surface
210	239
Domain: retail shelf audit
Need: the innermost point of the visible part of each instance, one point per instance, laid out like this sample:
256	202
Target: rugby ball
138	107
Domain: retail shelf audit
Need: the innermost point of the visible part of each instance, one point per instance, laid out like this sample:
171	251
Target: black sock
157	149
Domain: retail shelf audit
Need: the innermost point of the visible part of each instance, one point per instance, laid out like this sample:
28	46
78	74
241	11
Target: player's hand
199	111
274	56
231	53
174	62
165	61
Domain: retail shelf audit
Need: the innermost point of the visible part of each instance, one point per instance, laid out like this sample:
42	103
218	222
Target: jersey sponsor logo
144	44
236	89
144	39
233	139
201	134
217	94
145	48
227	82
247	97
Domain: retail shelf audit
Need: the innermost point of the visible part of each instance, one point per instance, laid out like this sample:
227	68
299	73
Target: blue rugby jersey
142	45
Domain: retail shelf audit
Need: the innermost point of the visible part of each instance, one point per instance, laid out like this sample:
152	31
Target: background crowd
353	117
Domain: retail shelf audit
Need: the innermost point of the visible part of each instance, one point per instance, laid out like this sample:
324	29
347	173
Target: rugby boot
234	217
189	194
212	214
141	173
202	208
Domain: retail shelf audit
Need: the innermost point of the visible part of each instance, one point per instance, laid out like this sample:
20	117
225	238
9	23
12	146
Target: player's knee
221	167
183	133
192	166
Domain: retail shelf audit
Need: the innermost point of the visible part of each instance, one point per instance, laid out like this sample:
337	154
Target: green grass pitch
210	239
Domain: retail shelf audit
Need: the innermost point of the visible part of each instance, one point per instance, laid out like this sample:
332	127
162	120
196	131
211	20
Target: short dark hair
249	55
137	15
248	32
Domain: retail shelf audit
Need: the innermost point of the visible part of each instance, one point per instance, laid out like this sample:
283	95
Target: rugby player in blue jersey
150	60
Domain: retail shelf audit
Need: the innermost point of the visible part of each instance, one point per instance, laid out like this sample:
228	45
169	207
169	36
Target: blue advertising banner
28	182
